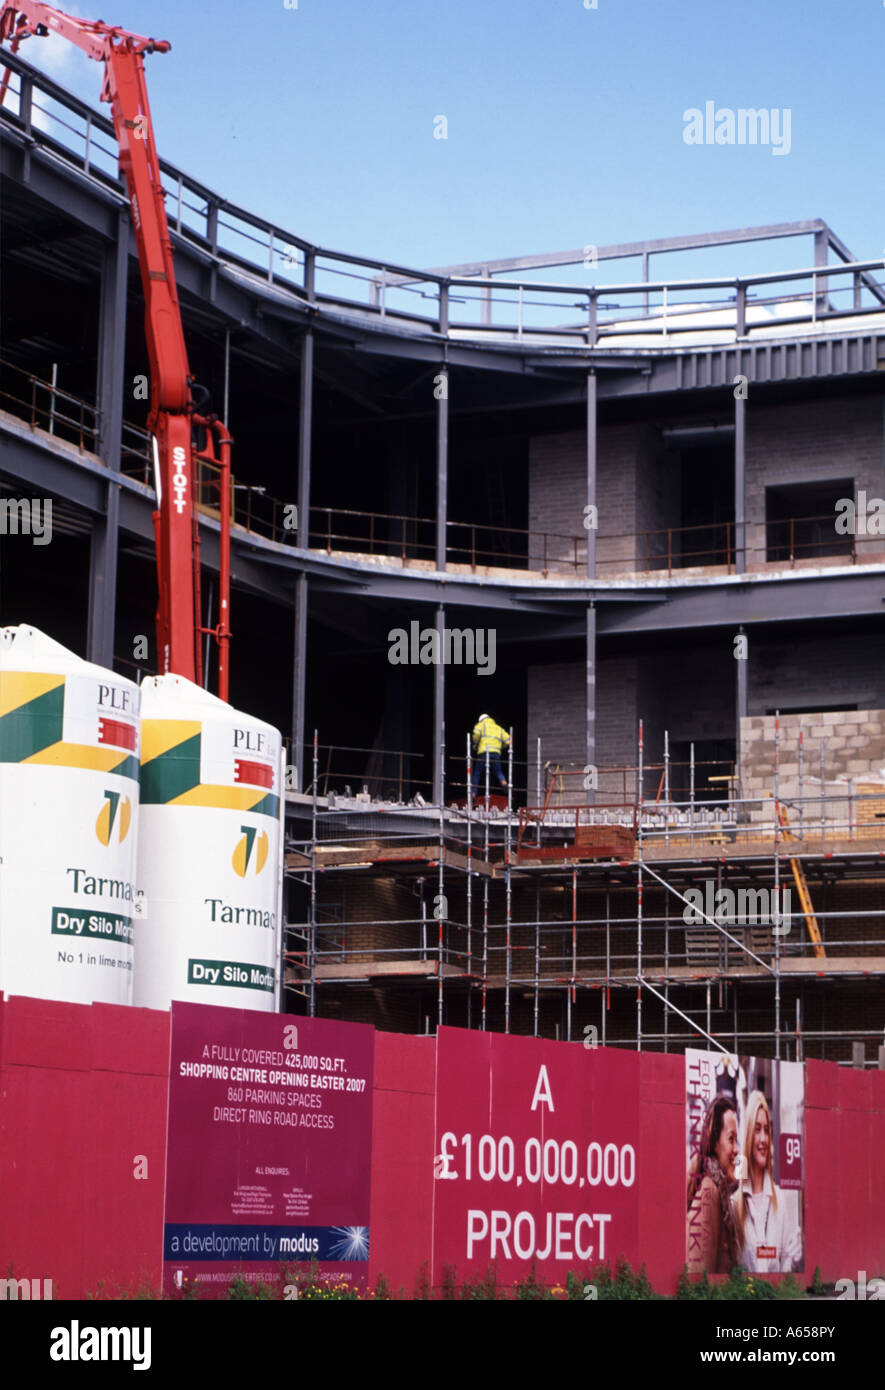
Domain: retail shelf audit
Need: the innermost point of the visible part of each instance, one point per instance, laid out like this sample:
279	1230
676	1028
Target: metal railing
634	314
404	540
46	406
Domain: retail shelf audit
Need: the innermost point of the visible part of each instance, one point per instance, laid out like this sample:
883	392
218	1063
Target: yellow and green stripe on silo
171	769
32	711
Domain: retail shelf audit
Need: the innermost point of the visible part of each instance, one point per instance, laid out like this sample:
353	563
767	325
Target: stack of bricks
853	759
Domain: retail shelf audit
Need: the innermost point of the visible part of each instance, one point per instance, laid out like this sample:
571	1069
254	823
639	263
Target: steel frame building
351	378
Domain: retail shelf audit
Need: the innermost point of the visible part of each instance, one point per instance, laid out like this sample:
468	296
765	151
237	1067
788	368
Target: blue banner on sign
185	1241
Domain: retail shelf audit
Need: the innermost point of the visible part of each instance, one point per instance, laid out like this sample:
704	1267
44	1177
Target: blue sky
565	124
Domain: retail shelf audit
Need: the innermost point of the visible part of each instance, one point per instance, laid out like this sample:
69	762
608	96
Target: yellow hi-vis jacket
489	737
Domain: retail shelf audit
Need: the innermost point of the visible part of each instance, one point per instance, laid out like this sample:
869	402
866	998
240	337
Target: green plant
250	1290
626	1284
423	1288
141	1291
574	1287
485	1289
789	1287
693	1289
310	1284
817	1285
448	1288
745	1287
381	1290
531	1288
740	1286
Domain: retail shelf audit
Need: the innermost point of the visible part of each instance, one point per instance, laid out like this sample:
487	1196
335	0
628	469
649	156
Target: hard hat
482	716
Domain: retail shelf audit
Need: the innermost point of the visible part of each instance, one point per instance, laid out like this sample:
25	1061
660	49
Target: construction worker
488	741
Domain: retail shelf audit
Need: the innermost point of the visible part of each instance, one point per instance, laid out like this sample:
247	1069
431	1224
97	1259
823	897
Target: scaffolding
548	920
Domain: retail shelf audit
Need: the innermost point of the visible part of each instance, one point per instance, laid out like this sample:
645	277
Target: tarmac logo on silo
107	817
241	856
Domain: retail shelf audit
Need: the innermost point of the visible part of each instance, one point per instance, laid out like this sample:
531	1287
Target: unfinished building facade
636	522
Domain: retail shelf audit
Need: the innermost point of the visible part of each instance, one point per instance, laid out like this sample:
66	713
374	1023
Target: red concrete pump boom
173	419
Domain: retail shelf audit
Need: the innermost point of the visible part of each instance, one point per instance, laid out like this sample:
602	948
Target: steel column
442	465
109	391
297	749
439	711
591	472
305	434
590	697
821	251
741	706
740	484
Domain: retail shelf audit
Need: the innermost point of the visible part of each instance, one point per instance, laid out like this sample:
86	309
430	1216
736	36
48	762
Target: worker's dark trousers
479	771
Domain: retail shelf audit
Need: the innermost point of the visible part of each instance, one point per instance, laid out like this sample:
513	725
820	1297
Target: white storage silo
69	758
210	852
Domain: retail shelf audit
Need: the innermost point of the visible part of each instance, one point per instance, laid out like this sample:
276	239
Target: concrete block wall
818	670
810	441
556	712
625	687
692	697
638	483
631	488
854	753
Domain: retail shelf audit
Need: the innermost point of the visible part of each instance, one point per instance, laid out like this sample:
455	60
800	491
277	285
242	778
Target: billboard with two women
744	1189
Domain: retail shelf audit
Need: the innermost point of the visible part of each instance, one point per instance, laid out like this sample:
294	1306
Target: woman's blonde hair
756	1102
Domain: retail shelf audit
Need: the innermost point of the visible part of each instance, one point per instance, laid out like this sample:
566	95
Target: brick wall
692	697
364	902
631	490
638	484
816	671
556	714
810	441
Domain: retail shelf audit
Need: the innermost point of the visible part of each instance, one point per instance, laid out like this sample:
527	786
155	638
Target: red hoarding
269	1147
536	1156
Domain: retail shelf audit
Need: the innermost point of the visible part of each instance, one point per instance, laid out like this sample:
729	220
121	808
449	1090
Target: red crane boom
173	417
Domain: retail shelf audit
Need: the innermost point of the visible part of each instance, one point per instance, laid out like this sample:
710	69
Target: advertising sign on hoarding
269	1148
745	1160
535	1164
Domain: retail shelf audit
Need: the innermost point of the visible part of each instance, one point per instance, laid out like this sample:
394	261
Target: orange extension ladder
802	887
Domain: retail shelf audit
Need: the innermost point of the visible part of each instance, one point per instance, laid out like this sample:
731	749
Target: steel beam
625	249
51	466
276	315
106	529
857	593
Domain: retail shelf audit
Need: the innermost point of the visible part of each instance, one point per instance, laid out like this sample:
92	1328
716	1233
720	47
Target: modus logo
114	816
251	850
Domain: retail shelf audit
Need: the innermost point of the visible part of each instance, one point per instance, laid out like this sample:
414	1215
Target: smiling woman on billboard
768	1234
713	1243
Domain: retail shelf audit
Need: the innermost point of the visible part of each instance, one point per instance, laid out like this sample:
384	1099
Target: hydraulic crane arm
172	415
